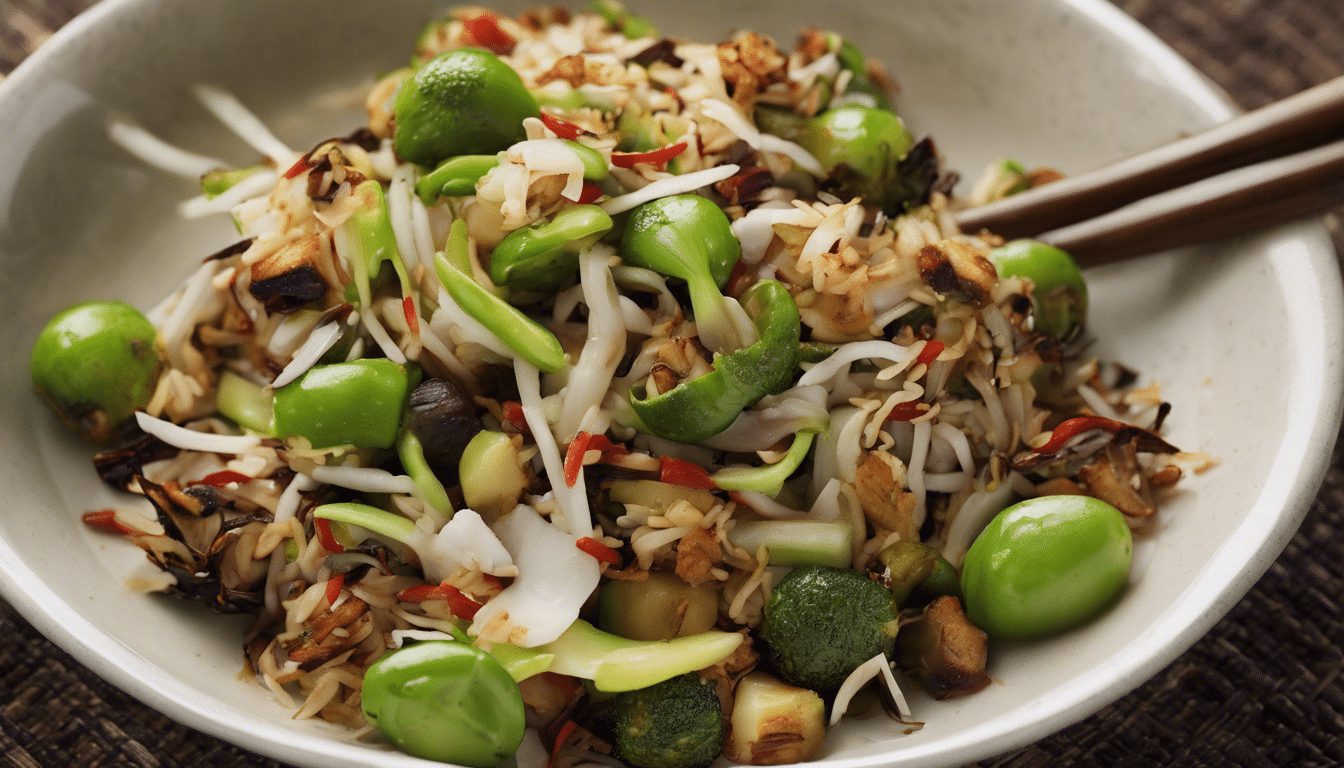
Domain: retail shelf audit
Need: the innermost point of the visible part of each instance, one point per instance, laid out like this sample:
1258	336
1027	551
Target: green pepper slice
705	406
357	403
544	255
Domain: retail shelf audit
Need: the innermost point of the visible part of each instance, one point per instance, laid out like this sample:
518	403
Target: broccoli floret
820	623
677	723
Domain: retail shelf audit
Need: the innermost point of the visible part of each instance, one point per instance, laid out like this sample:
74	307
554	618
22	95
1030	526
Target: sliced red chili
658	157
485	30
223	478
907	411
106	520
591	191
324	536
420	593
684	473
513	413
1071	428
932	349
599	551
408	309
561	737
299	166
560	127
574	457
462	606
334	586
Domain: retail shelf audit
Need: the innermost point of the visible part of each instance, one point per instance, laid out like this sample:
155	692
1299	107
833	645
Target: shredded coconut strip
728	116
257	184
191	440
677	185
572	500
308	353
367	479
158	153
878	665
858	350
239	119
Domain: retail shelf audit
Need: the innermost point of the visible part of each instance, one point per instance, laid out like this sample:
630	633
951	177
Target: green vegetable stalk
689	237
706	405
521	333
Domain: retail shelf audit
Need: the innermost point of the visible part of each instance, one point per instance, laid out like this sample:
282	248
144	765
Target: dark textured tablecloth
1263	688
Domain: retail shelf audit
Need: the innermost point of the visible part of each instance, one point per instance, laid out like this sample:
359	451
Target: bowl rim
1223	581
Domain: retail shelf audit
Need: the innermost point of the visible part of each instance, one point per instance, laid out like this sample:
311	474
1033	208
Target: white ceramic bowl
1244	336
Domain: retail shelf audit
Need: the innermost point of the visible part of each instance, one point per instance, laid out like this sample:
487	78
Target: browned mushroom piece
944	650
956	269
1116	478
288	279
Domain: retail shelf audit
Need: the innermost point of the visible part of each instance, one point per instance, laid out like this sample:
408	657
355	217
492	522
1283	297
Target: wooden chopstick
1262	168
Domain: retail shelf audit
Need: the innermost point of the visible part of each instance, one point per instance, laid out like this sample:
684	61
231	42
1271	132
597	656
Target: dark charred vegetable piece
943	650
821	623
544	255
357	403
288	279
119	466
461	102
94	364
918	573
677	723
444	420
445	701
696	409
454	177
900	184
1075	441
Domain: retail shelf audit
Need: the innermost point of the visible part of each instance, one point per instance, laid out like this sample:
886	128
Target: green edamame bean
1045	565
357	403
461	102
1060	296
865	138
94	364
445	701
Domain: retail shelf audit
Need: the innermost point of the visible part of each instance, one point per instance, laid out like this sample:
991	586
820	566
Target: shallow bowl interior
1243	336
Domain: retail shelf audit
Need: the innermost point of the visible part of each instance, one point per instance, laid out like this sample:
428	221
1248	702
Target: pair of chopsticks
1266	167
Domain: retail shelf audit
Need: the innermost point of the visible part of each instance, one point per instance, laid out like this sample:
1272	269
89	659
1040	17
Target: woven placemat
1263	688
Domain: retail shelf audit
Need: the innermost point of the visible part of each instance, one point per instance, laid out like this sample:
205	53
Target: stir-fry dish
612	397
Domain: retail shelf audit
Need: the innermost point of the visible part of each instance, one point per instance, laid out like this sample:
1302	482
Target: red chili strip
106	520
408	309
513	413
223	478
932	349
907	411
574	457
561	737
420	593
325	536
462	606
658	157
599	551
684	473
1071	428
591	191
562	128
299	166
485	30
334	586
